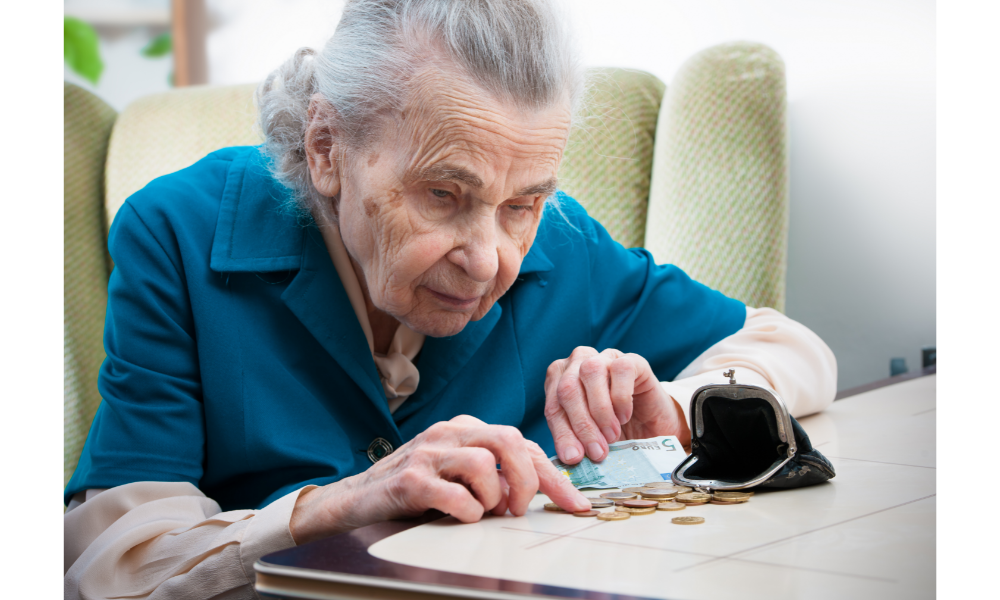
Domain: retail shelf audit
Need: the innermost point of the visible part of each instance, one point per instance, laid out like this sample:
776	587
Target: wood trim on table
854	391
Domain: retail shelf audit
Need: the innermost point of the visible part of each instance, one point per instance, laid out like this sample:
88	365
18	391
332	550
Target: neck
382	323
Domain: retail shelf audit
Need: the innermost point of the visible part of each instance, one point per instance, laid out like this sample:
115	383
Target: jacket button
379	449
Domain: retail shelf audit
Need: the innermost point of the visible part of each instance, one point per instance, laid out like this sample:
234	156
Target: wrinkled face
440	213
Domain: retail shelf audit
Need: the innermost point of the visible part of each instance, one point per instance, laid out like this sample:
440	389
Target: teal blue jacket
235	361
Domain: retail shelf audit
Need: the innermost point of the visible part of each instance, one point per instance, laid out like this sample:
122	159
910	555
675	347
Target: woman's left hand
593	399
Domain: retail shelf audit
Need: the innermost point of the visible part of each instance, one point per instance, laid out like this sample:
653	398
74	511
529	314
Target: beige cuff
269	531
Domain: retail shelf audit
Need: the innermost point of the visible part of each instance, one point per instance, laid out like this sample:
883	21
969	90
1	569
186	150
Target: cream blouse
168	540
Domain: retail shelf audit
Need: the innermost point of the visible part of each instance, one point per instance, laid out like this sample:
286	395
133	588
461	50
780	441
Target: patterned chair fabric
87	124
719	200
609	156
163	133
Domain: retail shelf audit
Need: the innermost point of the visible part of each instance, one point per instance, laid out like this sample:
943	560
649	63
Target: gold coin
640	503
600	502
693	497
587	513
731	496
671	505
688	520
724	503
634	490
657	494
662	485
636	511
618	495
553	507
613	515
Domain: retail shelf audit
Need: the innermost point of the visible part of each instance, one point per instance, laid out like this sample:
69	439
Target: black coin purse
742	436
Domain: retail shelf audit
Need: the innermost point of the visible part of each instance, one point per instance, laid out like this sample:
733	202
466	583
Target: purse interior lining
740	440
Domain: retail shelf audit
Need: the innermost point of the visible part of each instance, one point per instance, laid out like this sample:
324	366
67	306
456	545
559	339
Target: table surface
870	532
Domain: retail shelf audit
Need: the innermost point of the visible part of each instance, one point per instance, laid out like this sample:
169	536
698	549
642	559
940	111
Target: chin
440	325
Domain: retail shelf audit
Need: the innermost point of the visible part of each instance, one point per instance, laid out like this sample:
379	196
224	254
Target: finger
476	467
507	445
554	484
467	421
573	399
568	447
452	499
501	508
623	376
594	374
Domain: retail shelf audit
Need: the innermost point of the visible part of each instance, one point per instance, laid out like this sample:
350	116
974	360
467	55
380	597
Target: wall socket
928	356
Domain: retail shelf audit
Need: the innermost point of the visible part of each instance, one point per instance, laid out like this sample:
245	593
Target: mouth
455	301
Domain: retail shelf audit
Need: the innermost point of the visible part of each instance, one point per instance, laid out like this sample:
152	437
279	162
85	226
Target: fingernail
622	419
595	451
571	453
608	434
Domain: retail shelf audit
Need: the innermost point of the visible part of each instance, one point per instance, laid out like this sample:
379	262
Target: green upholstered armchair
697	173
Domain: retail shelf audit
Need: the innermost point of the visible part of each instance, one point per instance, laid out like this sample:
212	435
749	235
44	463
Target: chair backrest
163	133
87	124
719	193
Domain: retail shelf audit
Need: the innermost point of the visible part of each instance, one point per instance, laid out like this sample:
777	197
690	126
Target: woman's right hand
451	467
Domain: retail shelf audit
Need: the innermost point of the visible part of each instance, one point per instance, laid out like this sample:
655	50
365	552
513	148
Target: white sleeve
167	540
770	351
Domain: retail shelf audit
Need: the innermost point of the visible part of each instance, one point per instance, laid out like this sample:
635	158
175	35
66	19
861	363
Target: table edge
881	383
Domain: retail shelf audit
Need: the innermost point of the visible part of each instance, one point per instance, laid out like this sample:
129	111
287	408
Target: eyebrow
449	172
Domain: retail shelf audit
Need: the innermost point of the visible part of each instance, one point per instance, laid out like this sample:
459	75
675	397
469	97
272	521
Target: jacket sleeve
770	351
167	540
150	423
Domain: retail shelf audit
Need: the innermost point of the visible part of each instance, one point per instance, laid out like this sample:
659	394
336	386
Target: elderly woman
361	319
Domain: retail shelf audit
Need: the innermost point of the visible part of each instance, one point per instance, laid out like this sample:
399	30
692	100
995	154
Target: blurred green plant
80	49
160	46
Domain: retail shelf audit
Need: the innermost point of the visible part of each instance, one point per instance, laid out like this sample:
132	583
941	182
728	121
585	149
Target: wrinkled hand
451	467
593	399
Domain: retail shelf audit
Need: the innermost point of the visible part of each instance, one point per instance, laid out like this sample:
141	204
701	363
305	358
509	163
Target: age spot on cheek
373	159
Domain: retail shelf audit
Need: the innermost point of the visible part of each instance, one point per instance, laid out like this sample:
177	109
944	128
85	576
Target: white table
869	533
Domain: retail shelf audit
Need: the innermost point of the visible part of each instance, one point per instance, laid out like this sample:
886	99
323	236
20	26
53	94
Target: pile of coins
653	497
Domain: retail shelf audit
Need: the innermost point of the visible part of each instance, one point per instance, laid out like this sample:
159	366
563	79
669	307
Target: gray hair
517	51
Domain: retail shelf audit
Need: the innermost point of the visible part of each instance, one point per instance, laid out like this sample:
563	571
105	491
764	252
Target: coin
553	507
640	503
671	505
731	496
663	485
613	515
600	502
618	495
636	511
723	502
688	520
634	490
587	513
658	494
693	497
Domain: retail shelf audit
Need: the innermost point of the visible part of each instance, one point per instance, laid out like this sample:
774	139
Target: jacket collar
260	230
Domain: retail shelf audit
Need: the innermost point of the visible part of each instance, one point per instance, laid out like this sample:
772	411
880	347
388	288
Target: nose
478	254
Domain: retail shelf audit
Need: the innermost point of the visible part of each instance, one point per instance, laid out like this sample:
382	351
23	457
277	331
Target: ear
322	146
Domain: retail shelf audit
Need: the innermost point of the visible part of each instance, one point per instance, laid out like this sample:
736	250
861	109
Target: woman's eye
520	207
441	193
